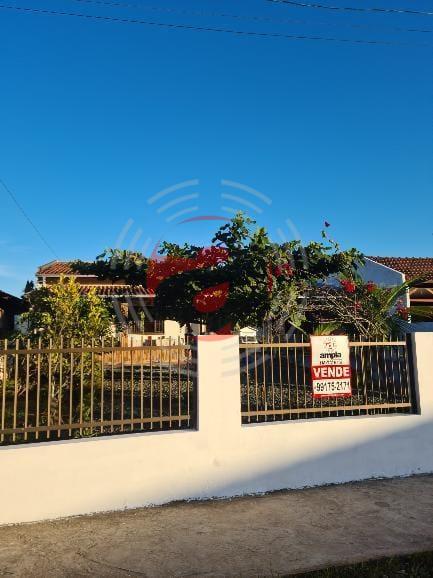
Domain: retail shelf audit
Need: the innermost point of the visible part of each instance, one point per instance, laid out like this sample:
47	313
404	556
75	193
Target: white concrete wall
173	330
222	458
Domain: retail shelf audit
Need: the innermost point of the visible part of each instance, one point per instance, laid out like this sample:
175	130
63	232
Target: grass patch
414	566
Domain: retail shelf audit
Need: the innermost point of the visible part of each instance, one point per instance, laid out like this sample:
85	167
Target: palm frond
421	311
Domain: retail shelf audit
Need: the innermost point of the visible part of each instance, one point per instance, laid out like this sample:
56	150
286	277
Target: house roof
412	267
118	290
56	268
11	303
108	289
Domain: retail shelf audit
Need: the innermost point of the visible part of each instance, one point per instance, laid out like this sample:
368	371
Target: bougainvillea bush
242	279
357	307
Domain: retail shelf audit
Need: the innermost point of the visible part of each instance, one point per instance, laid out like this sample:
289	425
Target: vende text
330	371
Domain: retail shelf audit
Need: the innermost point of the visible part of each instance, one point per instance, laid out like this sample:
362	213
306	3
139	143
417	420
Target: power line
352	8
25	215
101	18
250	18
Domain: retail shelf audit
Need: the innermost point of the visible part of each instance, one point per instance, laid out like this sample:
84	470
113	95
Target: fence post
422	352
218	382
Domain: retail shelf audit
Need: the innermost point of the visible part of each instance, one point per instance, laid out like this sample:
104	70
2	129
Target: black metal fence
58	390
276	381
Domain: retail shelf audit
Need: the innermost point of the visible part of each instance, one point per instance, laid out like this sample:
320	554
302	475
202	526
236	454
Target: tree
60	316
116	264
357	307
254	281
29	286
62	311
243	278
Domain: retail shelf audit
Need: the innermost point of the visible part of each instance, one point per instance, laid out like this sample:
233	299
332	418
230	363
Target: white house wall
383	276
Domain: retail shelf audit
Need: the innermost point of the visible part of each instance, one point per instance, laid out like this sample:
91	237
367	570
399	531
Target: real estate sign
330	365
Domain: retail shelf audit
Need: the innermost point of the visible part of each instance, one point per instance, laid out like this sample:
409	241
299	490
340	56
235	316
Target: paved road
272	535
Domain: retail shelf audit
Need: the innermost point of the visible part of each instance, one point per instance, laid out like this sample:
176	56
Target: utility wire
205	28
250	18
27	218
352	8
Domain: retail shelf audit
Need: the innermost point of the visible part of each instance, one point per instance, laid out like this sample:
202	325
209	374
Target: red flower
348	285
402	311
371	287
210	257
285	270
165	267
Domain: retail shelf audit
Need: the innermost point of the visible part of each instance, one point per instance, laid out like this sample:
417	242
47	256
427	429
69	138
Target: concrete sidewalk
272	535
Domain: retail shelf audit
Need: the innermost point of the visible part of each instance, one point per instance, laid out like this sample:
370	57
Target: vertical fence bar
304	374
179	382
161	410
81	384
59	404
247	371
395	349
364	372
295	353
71	386
272	379
402	381
141	390
189	361
373	389
122	393
50	383
92	382
378	370
16	370
151	386
289	392
170	391
4	380
132	387
385	370
256	383
264	392
112	385
38	388
102	383
26	410
280	375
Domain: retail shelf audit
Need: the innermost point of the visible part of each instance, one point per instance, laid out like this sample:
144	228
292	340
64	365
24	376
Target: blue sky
98	117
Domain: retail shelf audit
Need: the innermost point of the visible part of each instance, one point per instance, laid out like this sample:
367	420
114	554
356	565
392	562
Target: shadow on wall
104	474
406	452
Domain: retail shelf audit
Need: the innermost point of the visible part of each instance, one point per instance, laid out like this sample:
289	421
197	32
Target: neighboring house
133	304
392	271
10	307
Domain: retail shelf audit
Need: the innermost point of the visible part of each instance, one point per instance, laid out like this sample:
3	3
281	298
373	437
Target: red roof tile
115	289
118	290
412	267
55	269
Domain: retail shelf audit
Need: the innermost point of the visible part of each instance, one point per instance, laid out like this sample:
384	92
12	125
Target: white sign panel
330	366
